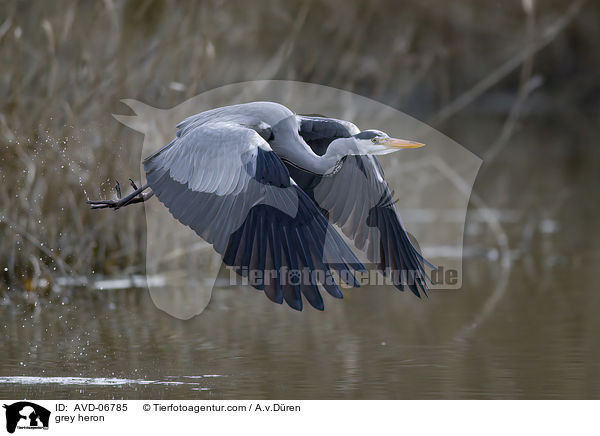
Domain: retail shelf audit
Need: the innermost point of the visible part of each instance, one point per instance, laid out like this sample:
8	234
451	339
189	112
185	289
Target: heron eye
374	140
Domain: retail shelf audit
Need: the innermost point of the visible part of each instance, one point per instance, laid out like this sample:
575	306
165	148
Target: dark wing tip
290	250
397	253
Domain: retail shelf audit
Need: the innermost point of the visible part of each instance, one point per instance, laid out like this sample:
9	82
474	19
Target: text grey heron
264	186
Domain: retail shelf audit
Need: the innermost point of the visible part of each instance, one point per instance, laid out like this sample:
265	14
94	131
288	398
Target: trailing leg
137	196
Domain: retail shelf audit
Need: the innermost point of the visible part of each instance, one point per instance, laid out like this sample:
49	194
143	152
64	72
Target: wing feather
358	199
224	181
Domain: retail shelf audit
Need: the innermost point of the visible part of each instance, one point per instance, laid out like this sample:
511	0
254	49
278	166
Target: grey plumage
263	185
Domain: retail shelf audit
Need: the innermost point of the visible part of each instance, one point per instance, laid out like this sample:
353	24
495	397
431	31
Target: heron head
378	142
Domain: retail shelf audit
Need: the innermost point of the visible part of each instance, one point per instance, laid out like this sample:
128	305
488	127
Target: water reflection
376	343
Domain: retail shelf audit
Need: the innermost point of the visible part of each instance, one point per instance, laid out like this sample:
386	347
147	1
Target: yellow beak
400	143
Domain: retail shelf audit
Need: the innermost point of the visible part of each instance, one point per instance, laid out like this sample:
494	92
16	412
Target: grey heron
264	186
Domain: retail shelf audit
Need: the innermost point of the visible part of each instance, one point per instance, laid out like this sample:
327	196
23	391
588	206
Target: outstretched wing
358	199
224	181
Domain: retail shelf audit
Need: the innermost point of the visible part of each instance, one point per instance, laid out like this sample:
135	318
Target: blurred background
515	82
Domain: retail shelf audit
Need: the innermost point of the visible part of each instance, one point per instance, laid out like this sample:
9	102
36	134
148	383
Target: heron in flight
264	186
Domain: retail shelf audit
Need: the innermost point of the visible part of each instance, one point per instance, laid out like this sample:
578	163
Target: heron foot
137	196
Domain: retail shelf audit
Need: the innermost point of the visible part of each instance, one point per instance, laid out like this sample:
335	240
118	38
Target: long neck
303	157
313	163
290	146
